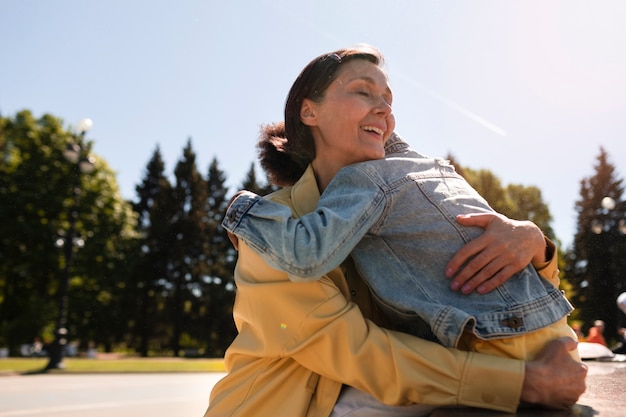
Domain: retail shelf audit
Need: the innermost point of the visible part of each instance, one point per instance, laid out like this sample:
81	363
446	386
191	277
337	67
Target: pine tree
188	243
251	183
218	288
152	272
596	265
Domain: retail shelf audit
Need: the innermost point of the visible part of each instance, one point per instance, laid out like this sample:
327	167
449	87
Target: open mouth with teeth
373	129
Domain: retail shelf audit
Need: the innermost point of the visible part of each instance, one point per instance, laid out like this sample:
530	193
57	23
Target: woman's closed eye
367	93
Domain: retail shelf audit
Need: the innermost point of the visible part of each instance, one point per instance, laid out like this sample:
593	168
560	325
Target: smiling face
352	121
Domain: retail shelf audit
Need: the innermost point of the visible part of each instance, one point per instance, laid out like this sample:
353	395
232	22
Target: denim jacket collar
395	144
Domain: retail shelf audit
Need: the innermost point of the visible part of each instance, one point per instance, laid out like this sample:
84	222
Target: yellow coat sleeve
549	270
314	324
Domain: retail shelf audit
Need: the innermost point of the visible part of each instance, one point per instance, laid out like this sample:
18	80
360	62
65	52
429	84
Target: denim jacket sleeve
314	244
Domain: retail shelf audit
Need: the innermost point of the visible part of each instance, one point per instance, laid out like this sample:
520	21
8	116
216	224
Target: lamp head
621	302
84	125
608	203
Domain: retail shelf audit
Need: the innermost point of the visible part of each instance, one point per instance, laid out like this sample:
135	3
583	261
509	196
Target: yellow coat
298	343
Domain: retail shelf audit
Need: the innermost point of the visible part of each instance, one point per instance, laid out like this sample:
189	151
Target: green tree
596	265
188	243
218	288
527	203
184	279
155	208
102	268
36	201
251	183
515	201
30	214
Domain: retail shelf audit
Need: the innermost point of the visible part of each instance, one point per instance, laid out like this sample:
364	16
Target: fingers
477	219
505	248
233	239
557	348
472	248
464	255
575	385
489	284
568	343
572	373
484	261
554	379
477	277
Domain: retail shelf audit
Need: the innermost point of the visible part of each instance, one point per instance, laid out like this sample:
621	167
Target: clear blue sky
528	89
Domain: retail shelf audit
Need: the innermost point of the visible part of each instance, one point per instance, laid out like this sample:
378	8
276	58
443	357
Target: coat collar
304	193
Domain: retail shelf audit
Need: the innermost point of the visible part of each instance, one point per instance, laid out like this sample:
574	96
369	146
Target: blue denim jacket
396	216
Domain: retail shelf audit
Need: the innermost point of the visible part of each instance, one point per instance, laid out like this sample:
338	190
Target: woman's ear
308	114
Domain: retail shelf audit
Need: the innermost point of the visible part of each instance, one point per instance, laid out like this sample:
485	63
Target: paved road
119	395
186	395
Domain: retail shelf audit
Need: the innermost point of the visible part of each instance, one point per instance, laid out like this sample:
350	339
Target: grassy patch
84	365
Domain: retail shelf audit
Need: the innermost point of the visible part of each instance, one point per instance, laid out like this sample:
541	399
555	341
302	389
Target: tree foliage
149	277
184	276
596	265
37	187
155	275
251	183
515	201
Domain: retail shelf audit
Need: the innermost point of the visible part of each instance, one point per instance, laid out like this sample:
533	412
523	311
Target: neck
324	170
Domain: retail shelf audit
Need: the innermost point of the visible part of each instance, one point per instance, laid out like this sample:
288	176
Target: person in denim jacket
397	218
321	347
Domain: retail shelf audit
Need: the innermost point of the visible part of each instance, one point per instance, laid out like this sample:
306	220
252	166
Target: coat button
512	322
488	398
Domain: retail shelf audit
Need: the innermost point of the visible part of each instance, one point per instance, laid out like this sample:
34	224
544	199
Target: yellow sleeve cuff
501	381
550	268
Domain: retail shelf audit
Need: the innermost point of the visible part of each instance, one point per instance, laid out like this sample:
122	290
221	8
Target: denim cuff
238	208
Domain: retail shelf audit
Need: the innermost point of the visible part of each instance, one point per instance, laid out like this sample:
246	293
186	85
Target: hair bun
282	166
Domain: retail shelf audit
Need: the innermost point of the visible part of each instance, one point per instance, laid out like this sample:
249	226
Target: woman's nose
383	106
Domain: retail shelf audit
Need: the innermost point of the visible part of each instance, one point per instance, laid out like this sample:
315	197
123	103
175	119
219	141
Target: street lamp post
82	164
611	224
